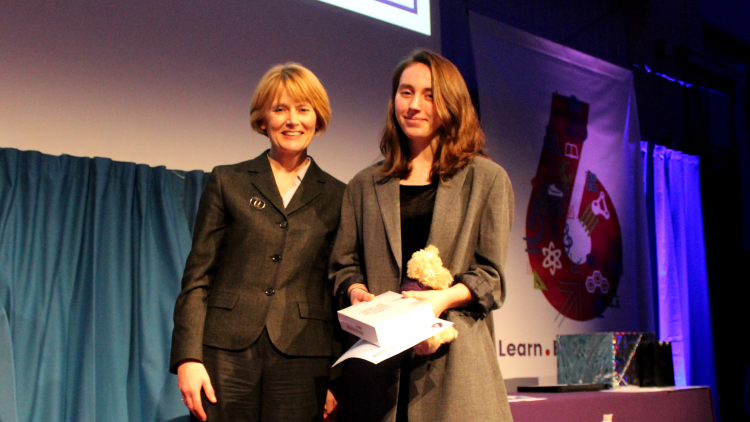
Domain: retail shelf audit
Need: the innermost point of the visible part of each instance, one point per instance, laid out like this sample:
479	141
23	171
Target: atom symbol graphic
552	258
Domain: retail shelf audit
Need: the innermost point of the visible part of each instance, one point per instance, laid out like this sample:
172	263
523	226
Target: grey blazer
256	264
470	226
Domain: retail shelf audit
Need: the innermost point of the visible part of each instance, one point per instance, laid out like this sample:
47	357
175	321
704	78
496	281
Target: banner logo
576	260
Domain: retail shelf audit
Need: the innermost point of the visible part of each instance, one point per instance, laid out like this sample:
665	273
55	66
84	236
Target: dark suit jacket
255	264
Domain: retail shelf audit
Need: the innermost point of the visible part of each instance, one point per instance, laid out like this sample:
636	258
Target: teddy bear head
426	267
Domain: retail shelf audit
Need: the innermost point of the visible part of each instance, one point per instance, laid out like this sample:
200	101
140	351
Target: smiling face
414	108
289	124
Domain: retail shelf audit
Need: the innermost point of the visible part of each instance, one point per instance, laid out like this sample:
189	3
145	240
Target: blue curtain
91	257
682	280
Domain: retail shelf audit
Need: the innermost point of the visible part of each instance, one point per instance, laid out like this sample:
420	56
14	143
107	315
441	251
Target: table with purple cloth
692	404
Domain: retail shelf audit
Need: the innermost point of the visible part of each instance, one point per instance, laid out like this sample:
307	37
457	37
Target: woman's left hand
426	348
329	411
455	297
438	299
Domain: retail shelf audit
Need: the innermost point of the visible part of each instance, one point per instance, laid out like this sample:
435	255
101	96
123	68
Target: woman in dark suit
253	320
435	187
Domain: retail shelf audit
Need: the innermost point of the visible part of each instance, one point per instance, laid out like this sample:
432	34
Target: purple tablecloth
683	405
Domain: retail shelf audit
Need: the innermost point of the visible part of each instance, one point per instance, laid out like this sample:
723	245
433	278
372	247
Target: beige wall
169	83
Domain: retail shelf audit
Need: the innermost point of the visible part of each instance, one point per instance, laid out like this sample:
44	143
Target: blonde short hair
300	83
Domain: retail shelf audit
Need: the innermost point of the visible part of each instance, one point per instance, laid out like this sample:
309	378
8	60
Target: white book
386	318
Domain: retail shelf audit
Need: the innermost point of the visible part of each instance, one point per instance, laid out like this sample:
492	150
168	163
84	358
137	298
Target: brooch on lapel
257	203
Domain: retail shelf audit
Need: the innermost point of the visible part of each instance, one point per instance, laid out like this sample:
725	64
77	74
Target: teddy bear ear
432	248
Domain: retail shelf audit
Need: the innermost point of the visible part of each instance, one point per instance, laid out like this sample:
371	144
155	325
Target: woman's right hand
191	379
358	293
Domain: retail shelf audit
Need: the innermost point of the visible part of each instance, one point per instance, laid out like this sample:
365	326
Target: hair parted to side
300	83
461	137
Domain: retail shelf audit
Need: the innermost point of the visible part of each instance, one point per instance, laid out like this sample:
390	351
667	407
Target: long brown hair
461	137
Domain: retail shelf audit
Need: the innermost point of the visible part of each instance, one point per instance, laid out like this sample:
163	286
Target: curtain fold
7	373
682	281
91	257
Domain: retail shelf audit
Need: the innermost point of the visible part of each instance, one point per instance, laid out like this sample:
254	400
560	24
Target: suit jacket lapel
387	192
309	189
262	179
446	217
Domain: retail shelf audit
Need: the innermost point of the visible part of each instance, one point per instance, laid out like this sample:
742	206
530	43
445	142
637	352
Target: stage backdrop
564	126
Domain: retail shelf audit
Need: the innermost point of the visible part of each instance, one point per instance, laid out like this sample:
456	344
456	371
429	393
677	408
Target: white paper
515	399
376	354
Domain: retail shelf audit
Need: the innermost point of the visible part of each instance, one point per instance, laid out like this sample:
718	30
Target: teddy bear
425	271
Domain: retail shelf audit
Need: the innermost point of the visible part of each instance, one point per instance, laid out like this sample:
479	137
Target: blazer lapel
446	216
312	185
387	192
262	179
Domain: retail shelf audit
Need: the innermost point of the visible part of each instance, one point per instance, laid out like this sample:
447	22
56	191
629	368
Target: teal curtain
91	257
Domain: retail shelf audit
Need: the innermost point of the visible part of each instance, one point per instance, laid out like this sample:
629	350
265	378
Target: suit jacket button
270	291
276	258
283	224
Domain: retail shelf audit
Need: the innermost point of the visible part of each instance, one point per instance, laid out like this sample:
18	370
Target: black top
417	204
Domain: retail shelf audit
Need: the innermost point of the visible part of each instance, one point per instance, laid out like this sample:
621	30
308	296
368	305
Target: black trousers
261	384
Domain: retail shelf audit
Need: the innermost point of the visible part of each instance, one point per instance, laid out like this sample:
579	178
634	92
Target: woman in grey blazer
434	187
252	339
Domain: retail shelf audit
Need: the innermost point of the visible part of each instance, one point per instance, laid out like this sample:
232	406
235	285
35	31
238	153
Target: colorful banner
590	238
564	126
